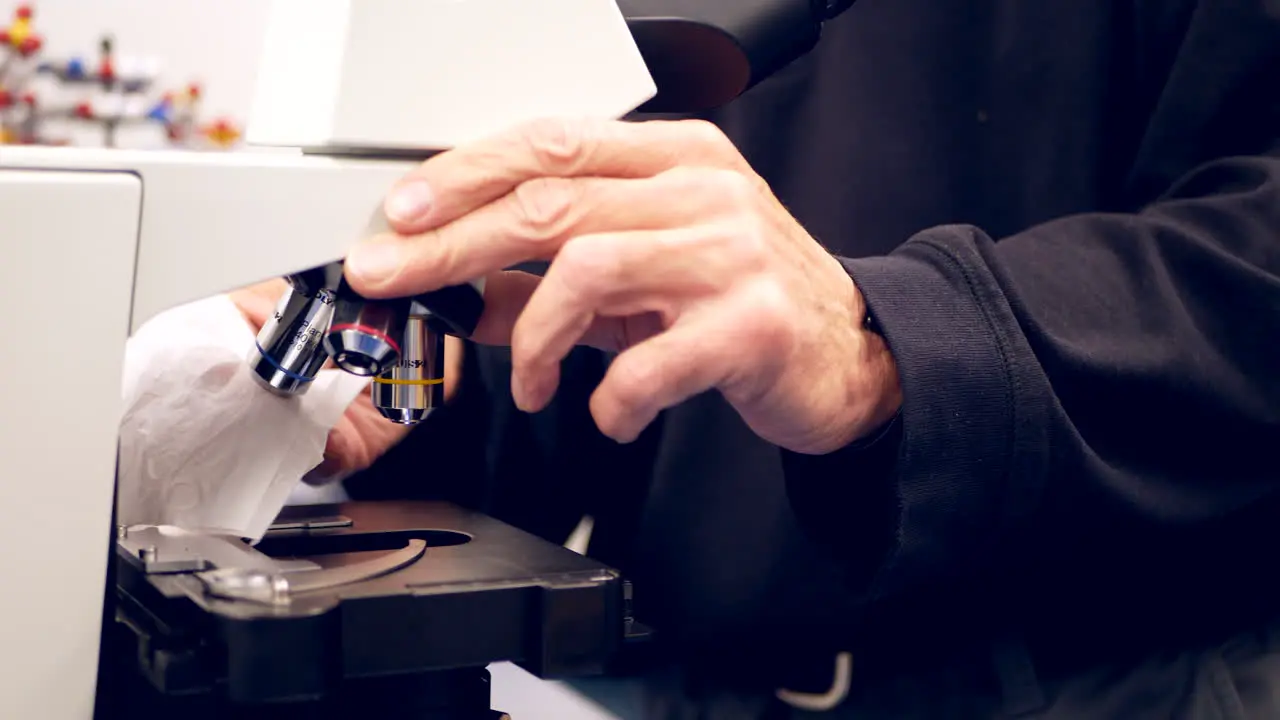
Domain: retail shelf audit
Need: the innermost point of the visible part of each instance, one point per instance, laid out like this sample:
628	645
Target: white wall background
213	42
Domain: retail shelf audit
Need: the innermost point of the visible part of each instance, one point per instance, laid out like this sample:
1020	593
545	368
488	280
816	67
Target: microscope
390	609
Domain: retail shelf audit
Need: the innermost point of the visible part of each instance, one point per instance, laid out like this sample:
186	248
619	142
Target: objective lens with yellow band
409	390
399	381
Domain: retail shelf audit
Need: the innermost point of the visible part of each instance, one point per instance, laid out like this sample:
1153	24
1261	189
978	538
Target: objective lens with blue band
279	368
289	350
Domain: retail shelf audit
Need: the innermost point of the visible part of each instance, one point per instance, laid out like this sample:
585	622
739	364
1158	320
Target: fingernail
374	262
409	202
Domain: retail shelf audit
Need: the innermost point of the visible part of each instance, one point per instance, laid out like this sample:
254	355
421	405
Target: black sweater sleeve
1103	375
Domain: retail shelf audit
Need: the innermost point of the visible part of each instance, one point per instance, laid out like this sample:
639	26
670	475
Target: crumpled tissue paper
203	446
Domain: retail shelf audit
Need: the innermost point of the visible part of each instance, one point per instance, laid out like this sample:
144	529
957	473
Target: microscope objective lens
407	392
364	336
289	350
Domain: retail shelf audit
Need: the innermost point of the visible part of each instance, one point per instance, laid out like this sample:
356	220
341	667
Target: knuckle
633	384
586	267
542	206
749	240
706	134
558	145
687	177
770	317
738	189
693	184
438	251
719	189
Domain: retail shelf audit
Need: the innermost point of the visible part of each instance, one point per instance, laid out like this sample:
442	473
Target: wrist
874	392
864	370
882	388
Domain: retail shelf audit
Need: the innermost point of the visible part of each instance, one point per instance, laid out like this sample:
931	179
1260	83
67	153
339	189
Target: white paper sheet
203	446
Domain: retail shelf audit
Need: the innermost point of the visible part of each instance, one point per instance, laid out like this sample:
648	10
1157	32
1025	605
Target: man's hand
665	246
362	435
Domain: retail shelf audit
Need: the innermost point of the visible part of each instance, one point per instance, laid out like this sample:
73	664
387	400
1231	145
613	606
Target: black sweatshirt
1065	219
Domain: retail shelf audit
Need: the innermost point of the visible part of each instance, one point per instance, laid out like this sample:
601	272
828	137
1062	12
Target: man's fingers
459	181
506	295
693	356
533	221
257	303
596	278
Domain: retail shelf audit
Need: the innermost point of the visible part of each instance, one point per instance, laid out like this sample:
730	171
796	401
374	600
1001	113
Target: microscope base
461	694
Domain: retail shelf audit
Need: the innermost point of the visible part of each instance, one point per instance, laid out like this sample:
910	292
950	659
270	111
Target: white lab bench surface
526	697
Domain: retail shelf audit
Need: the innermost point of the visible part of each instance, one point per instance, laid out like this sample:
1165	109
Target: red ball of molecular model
114	96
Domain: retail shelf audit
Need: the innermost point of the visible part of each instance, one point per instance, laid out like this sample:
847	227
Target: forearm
1100	374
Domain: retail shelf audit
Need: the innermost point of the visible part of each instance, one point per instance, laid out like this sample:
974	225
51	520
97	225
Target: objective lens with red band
365	335
368	330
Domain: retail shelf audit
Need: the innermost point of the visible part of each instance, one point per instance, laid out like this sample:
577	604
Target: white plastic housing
433	74
70	239
97	242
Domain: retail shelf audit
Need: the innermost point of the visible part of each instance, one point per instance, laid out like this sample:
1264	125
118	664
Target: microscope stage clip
156	551
278	588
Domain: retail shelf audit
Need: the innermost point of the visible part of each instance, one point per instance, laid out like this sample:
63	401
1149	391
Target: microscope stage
359	591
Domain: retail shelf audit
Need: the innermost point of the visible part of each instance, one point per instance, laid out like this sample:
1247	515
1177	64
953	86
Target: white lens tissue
203	446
